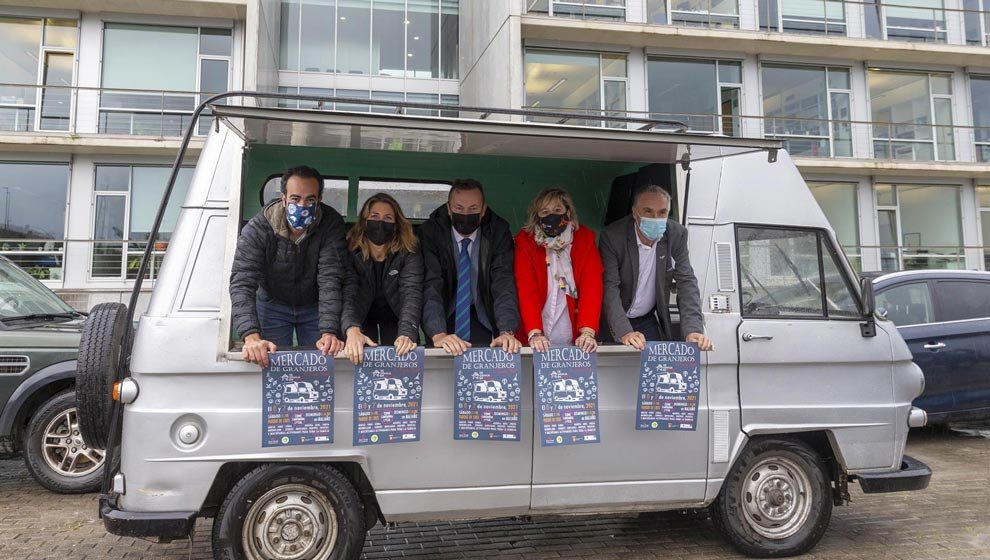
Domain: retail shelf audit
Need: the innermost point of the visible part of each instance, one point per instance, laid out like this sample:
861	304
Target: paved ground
950	520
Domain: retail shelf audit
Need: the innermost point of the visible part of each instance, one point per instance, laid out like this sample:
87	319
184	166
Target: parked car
39	340
806	391
944	316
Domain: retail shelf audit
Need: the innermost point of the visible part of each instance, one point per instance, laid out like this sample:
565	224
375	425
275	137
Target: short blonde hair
548	196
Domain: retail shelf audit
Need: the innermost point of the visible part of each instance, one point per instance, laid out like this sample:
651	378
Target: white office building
885	106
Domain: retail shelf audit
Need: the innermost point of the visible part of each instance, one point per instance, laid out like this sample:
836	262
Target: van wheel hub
290	522
776	498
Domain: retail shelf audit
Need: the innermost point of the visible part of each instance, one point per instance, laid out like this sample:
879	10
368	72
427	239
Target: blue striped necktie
462	311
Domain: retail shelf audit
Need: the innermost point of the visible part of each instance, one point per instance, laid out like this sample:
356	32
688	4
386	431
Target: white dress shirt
645	297
556	317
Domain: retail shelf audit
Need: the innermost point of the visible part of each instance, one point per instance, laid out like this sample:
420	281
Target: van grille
14	365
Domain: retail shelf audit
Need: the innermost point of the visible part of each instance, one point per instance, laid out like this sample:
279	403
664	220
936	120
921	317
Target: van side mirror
869	328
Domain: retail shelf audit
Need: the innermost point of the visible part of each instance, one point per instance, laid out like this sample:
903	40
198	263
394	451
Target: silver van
806	391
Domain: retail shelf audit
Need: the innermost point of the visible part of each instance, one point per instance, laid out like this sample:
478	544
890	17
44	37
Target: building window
694	13
153	76
983	199
838	202
586	9
808	108
36	52
917	20
704	94
912	115
398	38
582	82
919	226
126	202
32	234
977	21
980	90
818	17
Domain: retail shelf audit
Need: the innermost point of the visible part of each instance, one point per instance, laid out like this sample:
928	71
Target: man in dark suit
640	254
469	288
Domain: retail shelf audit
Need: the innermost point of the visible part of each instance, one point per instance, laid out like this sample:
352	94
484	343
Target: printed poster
567	394
487	395
388	396
297	397
669	385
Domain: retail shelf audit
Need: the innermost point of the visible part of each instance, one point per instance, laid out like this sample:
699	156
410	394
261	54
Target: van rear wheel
290	512
776	500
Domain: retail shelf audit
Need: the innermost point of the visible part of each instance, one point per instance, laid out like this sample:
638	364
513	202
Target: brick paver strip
950	520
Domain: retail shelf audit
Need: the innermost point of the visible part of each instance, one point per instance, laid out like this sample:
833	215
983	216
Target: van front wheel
290	512
776	500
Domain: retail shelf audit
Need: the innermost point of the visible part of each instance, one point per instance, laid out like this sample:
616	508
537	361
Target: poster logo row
298	395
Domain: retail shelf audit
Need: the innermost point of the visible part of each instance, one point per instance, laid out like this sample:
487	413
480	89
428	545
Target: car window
907	304
961	300
840	298
779	272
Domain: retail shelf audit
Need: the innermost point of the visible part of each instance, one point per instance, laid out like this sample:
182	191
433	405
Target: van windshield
22	297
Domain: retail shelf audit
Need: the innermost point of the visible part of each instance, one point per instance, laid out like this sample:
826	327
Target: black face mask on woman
553	224
379	232
465	224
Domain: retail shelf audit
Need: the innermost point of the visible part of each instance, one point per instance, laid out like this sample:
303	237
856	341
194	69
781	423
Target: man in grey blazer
641	253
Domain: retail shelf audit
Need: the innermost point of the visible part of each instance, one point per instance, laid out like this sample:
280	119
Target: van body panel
590	475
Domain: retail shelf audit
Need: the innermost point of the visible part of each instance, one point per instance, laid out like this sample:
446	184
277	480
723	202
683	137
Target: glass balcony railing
817	137
105	260
84	110
926	21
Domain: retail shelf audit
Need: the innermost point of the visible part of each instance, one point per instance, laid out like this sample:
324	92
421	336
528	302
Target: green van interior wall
510	182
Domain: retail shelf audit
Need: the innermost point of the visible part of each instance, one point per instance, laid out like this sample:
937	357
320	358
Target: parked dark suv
39	340
944	316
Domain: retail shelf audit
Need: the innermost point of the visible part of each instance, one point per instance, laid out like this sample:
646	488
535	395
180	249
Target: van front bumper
167	526
914	475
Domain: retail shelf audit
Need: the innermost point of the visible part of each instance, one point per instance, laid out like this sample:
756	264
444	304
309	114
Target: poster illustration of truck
567	396
487	395
297	399
669	387
388	396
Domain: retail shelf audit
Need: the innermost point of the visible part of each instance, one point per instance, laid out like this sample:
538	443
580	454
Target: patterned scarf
559	257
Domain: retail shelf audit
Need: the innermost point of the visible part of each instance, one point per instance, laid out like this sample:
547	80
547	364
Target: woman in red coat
558	276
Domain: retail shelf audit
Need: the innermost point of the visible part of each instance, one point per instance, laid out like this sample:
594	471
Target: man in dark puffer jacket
289	270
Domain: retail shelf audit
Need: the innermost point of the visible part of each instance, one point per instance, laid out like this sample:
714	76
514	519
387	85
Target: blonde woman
384	300
558	275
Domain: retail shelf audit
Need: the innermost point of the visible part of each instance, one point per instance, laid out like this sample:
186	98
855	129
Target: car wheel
96	370
776	500
290	512
54	450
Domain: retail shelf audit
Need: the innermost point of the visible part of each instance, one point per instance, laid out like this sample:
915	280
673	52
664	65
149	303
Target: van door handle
749	337
935	346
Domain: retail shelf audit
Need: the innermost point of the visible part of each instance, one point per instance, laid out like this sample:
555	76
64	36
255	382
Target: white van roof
636	141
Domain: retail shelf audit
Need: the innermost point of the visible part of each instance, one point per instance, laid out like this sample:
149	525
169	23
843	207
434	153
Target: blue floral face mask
299	216
652	228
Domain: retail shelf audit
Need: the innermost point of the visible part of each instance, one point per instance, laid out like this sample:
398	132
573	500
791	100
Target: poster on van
297	392
388	396
567	393
669	385
487	395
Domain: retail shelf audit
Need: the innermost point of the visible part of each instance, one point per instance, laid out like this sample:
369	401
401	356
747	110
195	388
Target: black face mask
465	224
554	224
379	232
